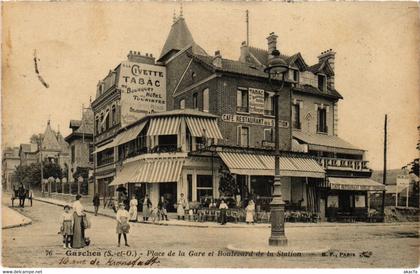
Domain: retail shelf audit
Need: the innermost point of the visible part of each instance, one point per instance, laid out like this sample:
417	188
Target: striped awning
200	127
102	148
164	126
126	174
263	165
355	184
129	135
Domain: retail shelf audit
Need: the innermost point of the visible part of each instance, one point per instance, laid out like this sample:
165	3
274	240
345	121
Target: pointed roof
179	37
86	124
63	144
49	140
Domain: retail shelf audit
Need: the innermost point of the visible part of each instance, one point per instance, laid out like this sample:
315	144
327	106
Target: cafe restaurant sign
143	90
232	118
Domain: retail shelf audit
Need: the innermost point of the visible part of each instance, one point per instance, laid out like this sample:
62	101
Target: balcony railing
343	164
242	109
165	149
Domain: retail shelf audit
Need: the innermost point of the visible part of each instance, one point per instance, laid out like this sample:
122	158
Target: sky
377	63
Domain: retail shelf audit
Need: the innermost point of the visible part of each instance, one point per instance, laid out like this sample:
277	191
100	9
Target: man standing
22	195
96	203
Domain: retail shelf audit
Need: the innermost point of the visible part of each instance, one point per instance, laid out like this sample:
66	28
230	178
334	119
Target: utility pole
247	27
384	175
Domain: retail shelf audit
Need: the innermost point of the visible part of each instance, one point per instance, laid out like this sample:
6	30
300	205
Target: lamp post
276	67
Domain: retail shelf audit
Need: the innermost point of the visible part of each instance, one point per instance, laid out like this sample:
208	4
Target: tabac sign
256	100
253	120
143	90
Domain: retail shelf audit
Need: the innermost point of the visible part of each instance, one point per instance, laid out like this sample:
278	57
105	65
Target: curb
27	222
290	225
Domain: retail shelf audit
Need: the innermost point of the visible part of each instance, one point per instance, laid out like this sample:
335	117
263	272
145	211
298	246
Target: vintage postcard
210	135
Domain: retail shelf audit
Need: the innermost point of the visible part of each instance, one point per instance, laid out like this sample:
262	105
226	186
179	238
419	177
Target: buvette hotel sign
143	90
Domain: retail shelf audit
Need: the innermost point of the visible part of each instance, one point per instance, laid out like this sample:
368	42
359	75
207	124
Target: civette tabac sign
143	90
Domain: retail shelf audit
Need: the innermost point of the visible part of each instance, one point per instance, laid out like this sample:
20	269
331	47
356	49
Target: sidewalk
11	218
107	212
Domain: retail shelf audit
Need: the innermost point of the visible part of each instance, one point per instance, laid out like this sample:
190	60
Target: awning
102	148
263	165
129	135
164	126
200	127
355	184
126	174
161	171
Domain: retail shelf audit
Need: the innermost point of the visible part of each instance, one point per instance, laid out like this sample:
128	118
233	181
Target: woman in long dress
78	227
181	206
133	209
147	205
250	211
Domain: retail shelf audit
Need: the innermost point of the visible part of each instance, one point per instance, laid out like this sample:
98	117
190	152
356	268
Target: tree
31	174
415	167
52	170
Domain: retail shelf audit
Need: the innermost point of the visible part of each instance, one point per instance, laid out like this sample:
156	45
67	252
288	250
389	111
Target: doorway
168	190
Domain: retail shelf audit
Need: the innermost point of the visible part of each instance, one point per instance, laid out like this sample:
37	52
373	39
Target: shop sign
256	100
143	90
242	119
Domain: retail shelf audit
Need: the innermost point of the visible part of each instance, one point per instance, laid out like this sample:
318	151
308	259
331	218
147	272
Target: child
123	226
66	228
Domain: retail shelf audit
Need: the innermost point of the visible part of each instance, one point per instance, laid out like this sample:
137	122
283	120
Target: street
39	245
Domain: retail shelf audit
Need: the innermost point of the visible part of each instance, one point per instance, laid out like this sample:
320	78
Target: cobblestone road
39	244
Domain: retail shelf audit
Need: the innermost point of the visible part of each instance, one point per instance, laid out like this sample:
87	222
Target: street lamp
276	67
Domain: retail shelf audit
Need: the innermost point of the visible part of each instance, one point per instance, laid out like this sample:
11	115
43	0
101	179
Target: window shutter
238	135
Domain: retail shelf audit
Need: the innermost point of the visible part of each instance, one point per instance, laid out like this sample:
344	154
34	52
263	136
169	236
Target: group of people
22	193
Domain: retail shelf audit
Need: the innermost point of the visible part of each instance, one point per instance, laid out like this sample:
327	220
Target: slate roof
63	144
49	141
75	124
330	93
86	124
178	38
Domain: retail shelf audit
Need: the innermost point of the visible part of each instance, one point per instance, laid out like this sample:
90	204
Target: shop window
243	136
322	82
182	104
242	100
296	116
206	100
268	103
204	187
322	120
195	101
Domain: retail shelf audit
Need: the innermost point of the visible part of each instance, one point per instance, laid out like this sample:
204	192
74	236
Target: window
322	120
113	114
182	104
91	152
189	180
97	124
73	154
195	101
269	135
206	100
268	103
296	75
107	126
243	136
322	82
102	122
242	100
193	76
296	116
204	187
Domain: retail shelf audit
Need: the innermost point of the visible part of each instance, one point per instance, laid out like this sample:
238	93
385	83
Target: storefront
346	199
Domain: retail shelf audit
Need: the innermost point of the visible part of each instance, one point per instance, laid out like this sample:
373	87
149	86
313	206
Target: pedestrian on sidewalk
66	229
133	209
96	203
30	194
147	205
180	207
223	207
15	195
250	211
123	227
22	195
162	205
79	240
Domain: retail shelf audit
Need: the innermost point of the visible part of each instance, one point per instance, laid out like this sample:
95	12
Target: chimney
136	56
217	61
272	43
244	53
329	56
